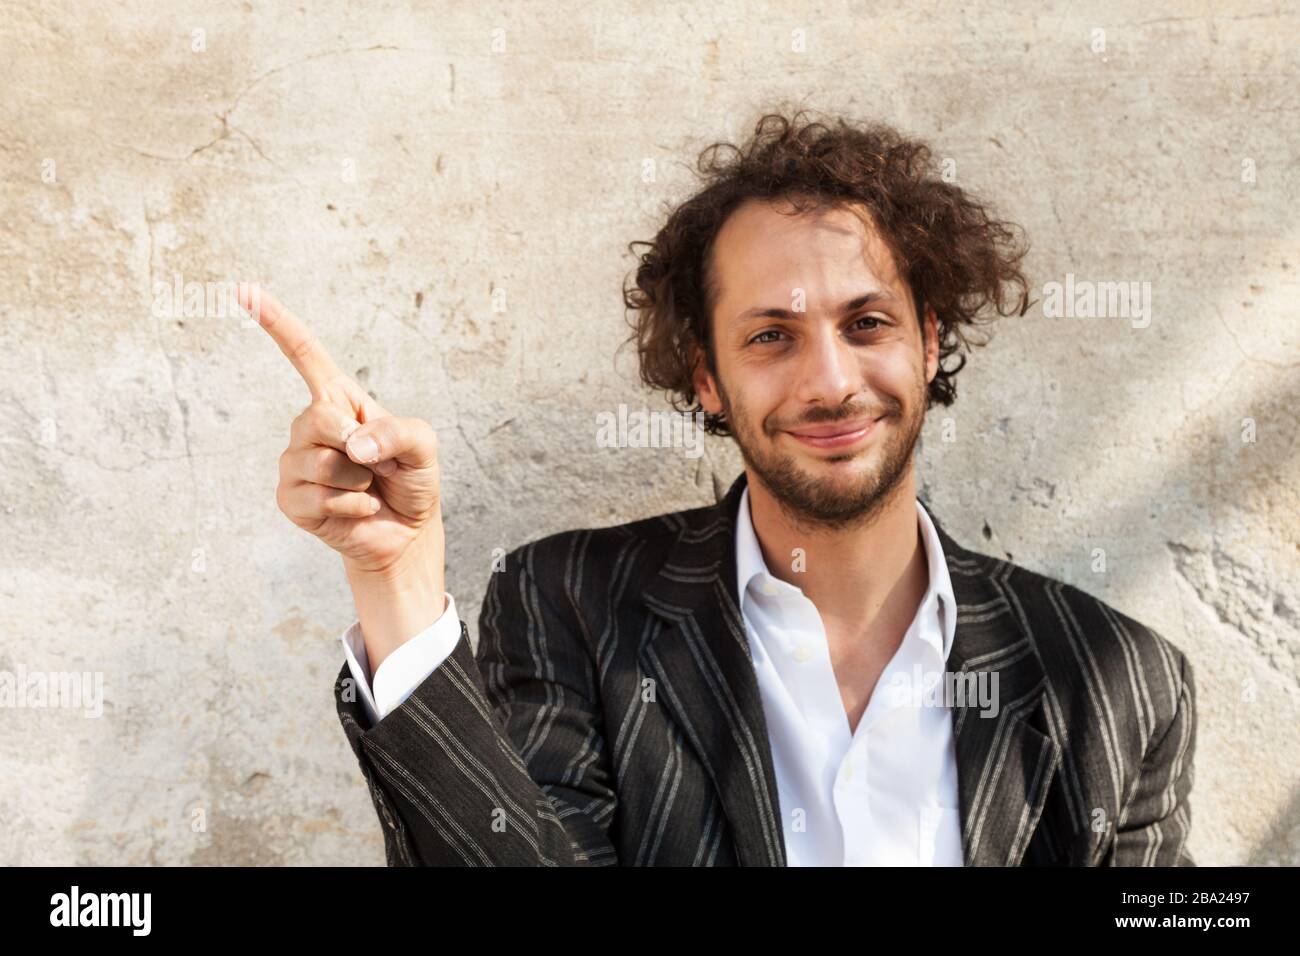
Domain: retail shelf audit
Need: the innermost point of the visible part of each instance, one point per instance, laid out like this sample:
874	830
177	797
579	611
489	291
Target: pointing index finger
291	334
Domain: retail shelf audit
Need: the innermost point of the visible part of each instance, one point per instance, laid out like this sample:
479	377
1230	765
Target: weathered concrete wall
387	169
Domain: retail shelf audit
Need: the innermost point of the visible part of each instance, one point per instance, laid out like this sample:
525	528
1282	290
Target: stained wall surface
446	192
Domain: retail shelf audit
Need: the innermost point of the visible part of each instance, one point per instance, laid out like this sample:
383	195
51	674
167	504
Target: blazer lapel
700	660
1005	763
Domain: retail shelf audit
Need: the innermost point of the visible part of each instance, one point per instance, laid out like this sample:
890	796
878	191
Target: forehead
765	251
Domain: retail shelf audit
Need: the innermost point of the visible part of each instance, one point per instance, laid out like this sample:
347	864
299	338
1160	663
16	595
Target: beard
814	502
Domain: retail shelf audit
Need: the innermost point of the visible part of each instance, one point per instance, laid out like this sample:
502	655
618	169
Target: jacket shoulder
589	573
1107	670
1063	613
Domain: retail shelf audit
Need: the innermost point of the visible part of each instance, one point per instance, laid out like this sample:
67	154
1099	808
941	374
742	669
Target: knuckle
306	425
322	465
324	499
323	425
282	496
318	413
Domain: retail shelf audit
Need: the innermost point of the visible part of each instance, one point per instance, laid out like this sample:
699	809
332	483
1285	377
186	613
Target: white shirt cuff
406	668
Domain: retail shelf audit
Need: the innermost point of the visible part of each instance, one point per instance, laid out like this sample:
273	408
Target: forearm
457	771
451	788
398	603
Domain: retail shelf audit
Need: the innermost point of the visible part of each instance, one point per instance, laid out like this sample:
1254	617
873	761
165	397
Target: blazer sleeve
1157	820
498	756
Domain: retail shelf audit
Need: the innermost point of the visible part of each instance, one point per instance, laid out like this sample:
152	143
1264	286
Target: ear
931	330
702	381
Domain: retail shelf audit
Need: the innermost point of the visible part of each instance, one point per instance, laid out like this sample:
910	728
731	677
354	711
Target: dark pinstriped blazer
611	715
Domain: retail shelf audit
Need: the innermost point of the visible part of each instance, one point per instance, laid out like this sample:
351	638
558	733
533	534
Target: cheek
761	398
751	398
895	372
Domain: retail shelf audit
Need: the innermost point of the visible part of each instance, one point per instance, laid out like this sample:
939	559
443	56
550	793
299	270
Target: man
811	671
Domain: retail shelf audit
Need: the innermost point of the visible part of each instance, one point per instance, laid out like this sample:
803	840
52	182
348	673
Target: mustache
826	416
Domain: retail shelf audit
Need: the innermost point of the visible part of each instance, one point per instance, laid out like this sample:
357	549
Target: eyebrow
852	305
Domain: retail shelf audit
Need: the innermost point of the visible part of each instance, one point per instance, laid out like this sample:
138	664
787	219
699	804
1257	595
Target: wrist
396	603
413	571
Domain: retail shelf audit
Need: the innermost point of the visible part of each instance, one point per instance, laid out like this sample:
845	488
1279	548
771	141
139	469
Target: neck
864	577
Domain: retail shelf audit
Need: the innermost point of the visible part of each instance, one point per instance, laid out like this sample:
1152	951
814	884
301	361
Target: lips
836	434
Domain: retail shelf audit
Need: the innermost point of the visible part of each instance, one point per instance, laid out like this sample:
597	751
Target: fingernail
374	505
349	428
364	449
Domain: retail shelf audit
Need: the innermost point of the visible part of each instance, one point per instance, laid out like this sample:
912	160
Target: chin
849	468
847	456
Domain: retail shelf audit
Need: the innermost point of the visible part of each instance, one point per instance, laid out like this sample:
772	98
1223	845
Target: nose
829	371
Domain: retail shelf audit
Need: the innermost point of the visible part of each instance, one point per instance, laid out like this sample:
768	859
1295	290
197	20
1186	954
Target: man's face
814	331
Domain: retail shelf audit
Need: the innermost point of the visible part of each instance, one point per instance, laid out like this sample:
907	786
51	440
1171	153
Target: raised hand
362	480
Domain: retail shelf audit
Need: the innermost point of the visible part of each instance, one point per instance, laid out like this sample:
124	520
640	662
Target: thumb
407	441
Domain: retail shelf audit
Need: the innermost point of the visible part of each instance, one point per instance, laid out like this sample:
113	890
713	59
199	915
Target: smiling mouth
837	434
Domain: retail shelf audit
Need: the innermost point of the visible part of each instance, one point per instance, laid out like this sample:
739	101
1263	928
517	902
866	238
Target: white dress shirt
885	794
405	668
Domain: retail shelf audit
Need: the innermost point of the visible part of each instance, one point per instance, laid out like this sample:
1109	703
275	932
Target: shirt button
847	772
802	653
768	586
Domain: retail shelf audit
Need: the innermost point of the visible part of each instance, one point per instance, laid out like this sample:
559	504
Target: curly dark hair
954	255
